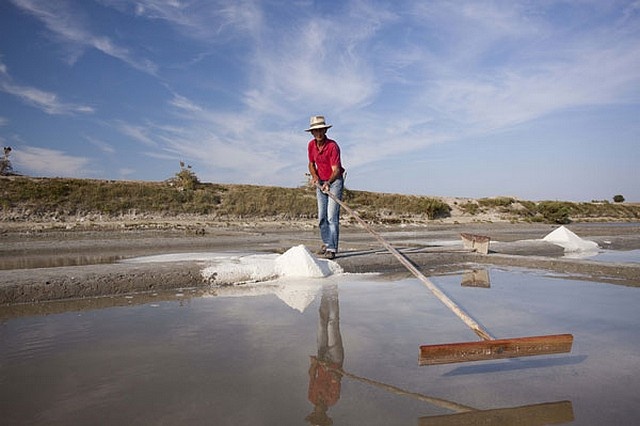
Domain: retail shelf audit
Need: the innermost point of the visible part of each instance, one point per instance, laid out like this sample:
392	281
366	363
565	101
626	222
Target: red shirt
325	158
324	383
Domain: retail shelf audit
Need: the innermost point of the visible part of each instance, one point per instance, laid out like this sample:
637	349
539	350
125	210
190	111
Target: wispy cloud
49	162
69	26
125	172
225	143
515	96
101	145
138	133
323	61
508	65
46	101
213	21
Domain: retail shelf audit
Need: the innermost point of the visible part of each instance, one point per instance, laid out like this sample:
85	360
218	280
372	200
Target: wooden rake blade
495	349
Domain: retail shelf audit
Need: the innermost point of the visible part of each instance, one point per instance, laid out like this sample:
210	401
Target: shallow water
233	360
48	261
624	256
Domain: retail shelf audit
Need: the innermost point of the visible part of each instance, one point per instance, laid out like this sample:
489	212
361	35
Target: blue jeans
329	215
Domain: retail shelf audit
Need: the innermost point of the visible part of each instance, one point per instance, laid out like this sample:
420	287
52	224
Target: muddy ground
51	264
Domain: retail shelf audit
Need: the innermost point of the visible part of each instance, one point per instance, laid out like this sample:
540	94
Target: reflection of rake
535	414
489	347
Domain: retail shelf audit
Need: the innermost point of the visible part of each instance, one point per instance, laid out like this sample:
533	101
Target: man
325	370
326	171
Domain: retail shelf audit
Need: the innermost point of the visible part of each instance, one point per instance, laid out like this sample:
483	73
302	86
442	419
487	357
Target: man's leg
323	223
333	216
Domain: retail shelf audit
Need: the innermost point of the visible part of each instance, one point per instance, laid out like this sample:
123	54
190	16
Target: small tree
185	178
6	168
618	199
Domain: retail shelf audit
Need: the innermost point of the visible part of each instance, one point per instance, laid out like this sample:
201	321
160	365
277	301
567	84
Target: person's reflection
325	369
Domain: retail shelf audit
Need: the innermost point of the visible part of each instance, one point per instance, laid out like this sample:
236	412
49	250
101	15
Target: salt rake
487	349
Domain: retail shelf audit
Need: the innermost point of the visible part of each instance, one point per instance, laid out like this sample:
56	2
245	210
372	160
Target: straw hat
317	122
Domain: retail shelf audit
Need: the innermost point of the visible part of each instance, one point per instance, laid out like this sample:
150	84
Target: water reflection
48	261
537	414
325	371
476	278
513	364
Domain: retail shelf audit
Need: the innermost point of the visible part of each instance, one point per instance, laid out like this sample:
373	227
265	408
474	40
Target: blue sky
534	99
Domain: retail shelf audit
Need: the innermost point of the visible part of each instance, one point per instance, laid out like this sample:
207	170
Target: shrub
185	178
470	208
554	212
496	202
396	204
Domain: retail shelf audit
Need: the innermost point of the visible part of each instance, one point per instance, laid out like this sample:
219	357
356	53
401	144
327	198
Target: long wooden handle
411	267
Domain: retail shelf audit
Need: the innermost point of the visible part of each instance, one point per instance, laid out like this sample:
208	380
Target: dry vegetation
26	199
560	212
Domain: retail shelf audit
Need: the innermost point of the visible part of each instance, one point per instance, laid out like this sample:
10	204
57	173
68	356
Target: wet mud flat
58	265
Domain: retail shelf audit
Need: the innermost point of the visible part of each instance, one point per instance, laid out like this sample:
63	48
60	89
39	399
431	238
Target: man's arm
335	172
314	173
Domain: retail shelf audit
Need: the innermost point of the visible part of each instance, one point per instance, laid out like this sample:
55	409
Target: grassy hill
26	199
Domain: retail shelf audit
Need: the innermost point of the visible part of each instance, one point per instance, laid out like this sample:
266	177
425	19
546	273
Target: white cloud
213	21
185	104
125	172
592	75
222	146
46	101
225	124
49	162
316	60
489	65
101	145
69	26
138	133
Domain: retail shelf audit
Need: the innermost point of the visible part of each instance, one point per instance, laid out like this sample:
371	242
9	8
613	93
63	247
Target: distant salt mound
297	262
570	241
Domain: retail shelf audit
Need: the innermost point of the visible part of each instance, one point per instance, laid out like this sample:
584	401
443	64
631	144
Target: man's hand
313	180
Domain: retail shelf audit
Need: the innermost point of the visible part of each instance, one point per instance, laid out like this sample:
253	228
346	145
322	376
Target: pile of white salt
563	237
